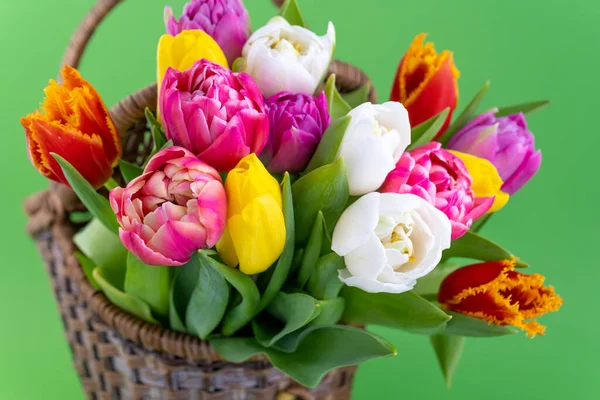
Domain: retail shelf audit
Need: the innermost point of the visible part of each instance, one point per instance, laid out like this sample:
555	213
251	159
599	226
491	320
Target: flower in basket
176	207
506	142
217	114
442	179
373	143
496	293
426	82
389	240
75	124
283	57
297	123
255	232
226	21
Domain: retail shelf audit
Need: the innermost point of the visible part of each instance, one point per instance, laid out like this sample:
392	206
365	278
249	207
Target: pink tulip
176	207
217	114
442	179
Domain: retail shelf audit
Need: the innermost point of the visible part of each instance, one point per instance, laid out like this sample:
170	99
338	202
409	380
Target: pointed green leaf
448	350
88	267
525	108
129	171
102	246
467	115
240	314
291	12
128	302
282	268
208	301
480	223
331	312
359	96
325	189
324	282
463	325
329	145
181	292
407	311
157	131
471	245
429	285
169	143
337	106
311	252
426	131
94	202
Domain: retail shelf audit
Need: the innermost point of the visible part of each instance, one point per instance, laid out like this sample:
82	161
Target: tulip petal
524	173
354	227
138	247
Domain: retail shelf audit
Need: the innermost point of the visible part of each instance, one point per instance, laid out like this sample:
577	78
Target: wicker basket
117	355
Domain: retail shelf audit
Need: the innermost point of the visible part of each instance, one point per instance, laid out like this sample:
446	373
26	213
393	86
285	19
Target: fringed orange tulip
74	123
496	293
426	82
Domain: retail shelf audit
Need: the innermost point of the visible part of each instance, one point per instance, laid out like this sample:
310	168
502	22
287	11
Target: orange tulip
426	82
74	123
496	293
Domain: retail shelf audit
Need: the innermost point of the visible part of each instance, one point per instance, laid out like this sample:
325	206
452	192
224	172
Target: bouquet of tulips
277	215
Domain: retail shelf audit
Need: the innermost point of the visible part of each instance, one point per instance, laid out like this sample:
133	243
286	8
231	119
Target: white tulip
284	57
375	139
389	240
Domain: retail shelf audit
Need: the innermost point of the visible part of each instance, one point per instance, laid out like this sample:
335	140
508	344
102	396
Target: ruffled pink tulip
217	114
441	178
176	207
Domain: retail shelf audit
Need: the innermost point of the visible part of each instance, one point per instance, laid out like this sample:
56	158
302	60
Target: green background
529	49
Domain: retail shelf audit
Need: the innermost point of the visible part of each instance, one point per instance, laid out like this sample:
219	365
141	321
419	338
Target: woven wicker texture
118	356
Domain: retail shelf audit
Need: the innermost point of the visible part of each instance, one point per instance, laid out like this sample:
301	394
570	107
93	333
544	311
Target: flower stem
110	184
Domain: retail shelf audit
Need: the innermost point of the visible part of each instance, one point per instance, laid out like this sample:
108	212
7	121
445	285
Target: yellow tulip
486	180
255	232
182	51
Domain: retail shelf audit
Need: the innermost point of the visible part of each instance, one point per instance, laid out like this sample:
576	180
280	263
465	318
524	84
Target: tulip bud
505	142
255	233
226	21
426	82
176	207
496	293
75	124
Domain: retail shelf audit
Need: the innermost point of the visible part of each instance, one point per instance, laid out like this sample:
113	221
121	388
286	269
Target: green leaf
157	131
150	283
320	350
129	171
426	131
407	311
208	301
429	285
480	223
239	65
448	350
181	292
291	12
80	217
471	245
324	282
128	302
239	315
283	265
325	189
329	145
295	310
297	261
102	246
88	267
94	202
311	252
359	96
525	108
463	325
336	105
331	312
467	115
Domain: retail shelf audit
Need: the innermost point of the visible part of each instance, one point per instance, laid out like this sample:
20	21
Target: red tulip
426	82
75	124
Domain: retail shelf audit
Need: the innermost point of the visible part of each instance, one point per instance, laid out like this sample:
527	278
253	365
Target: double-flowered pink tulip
217	114
442	179
176	207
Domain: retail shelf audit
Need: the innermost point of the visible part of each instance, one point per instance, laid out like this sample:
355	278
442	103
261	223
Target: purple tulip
297	123
226	21
505	142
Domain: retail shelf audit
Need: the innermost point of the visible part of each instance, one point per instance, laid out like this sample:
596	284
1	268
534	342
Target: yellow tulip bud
182	51
486	180
255	232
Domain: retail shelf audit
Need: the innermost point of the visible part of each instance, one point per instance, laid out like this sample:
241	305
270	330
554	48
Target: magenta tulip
217	114
176	207
297	123
505	142
442	179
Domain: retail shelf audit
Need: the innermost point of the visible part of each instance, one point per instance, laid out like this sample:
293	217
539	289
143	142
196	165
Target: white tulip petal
368	260
356	224
371	286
